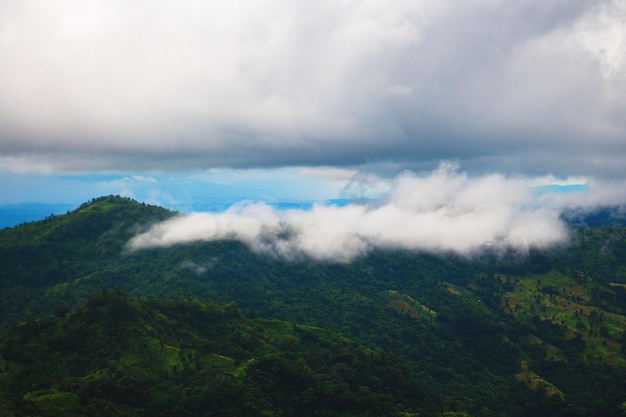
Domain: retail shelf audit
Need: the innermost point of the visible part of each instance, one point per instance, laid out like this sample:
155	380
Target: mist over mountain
445	211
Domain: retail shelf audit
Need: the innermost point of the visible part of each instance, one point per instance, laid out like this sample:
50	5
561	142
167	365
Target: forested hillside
121	356
211	328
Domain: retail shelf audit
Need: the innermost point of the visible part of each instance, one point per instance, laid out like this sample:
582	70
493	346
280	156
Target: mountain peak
99	222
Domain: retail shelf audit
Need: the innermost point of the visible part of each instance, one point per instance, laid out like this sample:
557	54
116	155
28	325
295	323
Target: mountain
600	216
83	319
121	356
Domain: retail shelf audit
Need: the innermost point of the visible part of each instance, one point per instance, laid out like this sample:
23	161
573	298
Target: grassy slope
567	302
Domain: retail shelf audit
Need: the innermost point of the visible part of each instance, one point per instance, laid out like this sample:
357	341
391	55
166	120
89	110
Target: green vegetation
210	328
567	302
118	355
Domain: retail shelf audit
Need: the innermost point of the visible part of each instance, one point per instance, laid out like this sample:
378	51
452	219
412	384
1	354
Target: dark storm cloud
526	87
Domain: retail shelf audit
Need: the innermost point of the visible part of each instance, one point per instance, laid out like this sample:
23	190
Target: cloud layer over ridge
444	211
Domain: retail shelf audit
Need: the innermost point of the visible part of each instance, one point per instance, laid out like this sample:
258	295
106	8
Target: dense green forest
211	328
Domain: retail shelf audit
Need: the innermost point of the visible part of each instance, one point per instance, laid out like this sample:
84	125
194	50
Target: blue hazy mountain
600	216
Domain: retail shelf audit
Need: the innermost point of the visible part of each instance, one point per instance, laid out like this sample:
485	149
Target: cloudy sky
187	103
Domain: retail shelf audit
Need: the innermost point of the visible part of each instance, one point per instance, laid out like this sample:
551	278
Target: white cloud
330	173
129	180
593	195
258	83
443	211
603	33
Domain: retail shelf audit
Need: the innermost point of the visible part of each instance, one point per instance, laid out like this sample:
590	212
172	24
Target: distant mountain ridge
15	214
600	216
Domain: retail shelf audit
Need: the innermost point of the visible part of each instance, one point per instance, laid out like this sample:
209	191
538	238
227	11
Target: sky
200	106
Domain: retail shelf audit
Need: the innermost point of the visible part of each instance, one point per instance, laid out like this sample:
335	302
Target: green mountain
211	328
121	356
